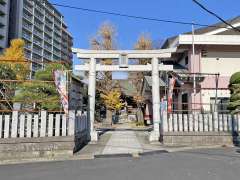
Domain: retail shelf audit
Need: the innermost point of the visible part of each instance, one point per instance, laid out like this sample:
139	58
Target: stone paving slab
123	142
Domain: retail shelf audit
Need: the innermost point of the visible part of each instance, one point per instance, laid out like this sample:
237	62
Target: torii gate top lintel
131	54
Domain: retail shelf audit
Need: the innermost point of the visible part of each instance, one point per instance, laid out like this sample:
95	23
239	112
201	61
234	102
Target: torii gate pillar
155	134
91	99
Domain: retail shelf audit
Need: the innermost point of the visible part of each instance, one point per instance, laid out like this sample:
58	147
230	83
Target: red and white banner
60	79
171	85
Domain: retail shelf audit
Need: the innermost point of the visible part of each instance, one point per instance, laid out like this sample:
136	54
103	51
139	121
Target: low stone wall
197	139
25	148
200	129
41	135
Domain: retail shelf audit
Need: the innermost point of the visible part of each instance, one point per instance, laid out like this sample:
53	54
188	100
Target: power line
215	15
134	16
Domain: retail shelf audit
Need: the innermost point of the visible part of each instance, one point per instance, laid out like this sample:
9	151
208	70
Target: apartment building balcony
37	51
46	30
49	25
28	18
57	46
27	55
27	36
28	46
57	40
49	17
38	43
57	53
39	9
29	9
57	16
47	56
57	23
38	25
49	41
39	17
49	9
37	33
48	46
27	27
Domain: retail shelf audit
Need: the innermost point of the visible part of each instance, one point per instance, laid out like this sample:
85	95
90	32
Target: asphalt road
189	165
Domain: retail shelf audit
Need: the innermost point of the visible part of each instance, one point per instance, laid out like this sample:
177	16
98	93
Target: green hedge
235	78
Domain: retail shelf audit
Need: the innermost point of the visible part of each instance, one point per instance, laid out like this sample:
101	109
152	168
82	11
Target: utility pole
193	61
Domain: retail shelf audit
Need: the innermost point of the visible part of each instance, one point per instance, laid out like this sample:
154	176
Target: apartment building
4	23
43	29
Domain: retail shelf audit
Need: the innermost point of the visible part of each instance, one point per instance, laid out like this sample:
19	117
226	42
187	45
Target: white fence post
195	116
22	125
64	125
71	120
170	123
29	125
220	116
165	121
238	122
210	122
200	120
57	125
175	122
225	123
1	128
230	128
215	118
205	121
190	118
50	125
185	122
14	124
180	121
6	126
43	126
35	125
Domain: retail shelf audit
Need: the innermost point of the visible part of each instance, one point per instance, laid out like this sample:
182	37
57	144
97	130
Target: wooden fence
201	123
42	124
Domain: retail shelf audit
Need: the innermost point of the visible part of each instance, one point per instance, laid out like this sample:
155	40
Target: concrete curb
90	156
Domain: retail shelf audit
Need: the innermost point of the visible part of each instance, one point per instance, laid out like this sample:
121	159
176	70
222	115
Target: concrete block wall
200	129
42	135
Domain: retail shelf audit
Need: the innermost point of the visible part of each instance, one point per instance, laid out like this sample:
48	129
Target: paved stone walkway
122	142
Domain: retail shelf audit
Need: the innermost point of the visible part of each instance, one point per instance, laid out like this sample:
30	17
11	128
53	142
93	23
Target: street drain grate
112	155
153	152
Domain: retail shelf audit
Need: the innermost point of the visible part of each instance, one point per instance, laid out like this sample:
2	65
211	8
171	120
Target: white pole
155	134
193	61
91	97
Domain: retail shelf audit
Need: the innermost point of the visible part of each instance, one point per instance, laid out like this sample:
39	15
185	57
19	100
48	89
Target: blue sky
83	25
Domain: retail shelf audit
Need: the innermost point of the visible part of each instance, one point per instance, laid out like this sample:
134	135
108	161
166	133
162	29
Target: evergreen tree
40	95
234	87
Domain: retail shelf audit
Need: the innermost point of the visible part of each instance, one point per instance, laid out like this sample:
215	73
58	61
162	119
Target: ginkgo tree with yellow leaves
15	58
13	66
108	90
112	101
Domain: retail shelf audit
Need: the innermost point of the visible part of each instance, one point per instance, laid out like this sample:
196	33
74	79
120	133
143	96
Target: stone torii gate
123	56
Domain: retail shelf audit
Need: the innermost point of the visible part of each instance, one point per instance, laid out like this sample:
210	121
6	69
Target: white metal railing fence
43	124
198	122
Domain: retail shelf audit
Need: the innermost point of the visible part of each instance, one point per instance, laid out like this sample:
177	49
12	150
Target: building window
186	60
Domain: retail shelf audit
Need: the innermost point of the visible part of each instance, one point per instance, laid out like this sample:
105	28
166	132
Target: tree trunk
108	117
140	115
